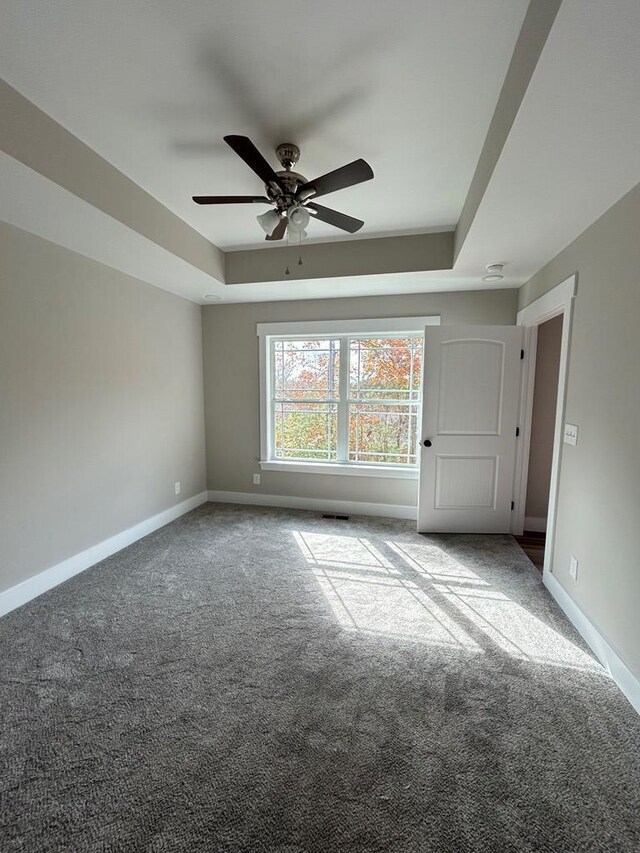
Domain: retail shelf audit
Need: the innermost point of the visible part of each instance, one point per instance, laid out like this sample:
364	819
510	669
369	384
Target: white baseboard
317	504
43	581
612	662
537	525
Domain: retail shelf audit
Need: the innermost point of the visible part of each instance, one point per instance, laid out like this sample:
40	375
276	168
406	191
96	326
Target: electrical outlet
256	479
573	568
177	487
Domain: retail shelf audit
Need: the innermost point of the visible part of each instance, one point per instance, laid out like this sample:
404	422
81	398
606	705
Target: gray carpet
261	680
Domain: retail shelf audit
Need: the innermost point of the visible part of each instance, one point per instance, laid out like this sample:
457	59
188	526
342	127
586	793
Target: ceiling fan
291	194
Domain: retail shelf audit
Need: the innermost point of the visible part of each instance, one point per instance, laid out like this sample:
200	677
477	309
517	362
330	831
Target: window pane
383	432
385	368
385	376
306	370
305	431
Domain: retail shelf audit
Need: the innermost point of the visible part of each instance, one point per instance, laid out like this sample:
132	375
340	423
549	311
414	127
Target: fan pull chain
287	271
300	261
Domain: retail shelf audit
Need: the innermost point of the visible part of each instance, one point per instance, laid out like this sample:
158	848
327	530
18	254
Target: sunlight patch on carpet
419	593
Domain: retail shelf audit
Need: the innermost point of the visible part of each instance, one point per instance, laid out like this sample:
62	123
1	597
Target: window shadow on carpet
417	592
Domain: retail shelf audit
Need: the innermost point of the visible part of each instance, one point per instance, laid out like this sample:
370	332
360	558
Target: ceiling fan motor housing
288	154
290	182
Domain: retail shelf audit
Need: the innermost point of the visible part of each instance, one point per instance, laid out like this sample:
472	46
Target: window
342	396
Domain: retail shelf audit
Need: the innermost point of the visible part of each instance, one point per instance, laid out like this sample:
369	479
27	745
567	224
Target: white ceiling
42	207
153	87
573	149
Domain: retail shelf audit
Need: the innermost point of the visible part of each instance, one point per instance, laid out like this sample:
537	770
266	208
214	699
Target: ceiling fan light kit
289	192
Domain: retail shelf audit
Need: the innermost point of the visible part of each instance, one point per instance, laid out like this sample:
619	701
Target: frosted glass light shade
298	218
268	221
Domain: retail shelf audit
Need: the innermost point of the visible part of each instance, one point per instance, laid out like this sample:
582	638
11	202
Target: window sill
349	470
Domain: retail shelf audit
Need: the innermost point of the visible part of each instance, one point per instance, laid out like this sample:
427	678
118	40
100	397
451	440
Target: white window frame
383	327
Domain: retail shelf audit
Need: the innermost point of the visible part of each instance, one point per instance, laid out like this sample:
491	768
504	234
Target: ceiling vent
494	272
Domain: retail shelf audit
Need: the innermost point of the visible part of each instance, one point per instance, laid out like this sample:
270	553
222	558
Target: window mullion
343	403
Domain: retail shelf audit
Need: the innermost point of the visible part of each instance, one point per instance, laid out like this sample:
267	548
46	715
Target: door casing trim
557	301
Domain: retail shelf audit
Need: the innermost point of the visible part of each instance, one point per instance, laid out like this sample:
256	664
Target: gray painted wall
232	386
543	418
102	404
599	496
411	253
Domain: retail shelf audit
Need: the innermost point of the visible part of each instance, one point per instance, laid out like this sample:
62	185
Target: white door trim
558	301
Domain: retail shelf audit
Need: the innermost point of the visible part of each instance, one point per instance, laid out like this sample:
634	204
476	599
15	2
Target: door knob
427	442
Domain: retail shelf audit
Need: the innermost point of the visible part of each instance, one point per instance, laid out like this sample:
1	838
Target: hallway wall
599	485
543	420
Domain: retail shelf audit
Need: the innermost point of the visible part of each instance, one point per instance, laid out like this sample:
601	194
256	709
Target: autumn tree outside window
349	399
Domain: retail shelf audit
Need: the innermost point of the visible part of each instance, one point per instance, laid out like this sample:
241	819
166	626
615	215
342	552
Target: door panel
465	482
471	396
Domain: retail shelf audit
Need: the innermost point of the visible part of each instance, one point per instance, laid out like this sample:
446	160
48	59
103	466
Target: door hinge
517	432
521	354
513	505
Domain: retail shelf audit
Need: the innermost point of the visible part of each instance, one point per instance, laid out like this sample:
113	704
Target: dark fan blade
279	231
334	217
346	176
245	148
230	199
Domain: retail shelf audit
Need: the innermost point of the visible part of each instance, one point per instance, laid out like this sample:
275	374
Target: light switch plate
570	434
573	568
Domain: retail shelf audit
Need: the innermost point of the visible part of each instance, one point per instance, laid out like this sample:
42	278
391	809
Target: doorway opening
557	304
543	421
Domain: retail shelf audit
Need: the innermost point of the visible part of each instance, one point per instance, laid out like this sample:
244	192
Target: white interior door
471	395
